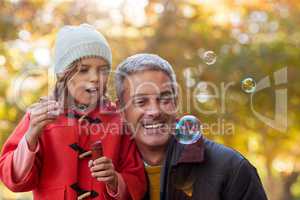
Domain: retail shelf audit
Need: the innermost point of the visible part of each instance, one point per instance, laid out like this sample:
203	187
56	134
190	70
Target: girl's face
88	83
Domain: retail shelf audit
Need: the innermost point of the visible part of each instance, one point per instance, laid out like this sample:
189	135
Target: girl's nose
94	76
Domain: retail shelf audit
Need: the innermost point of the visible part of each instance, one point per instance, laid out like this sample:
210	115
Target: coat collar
191	153
177	155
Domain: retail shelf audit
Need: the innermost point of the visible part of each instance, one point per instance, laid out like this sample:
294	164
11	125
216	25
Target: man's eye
139	102
166	99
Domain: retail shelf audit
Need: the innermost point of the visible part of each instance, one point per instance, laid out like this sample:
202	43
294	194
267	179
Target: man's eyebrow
163	93
139	95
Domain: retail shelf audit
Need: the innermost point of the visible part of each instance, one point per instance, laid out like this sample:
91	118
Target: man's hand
103	170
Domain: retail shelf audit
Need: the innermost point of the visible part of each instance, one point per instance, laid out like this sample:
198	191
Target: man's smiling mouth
154	125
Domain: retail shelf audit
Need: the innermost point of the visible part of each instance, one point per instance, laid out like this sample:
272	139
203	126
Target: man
146	88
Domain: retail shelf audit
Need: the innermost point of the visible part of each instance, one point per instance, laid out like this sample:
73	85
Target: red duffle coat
57	165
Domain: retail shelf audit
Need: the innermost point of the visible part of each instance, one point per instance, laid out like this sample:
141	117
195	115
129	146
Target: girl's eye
83	70
104	71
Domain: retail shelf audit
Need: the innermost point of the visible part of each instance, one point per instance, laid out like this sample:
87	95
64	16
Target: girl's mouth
92	91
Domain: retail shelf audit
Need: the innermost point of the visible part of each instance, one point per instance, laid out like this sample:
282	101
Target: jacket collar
191	153
180	154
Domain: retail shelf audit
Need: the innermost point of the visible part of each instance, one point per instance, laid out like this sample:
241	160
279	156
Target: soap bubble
248	85
188	130
203	97
190	82
209	57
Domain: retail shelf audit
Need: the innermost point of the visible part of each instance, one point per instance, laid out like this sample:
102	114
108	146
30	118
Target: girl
49	152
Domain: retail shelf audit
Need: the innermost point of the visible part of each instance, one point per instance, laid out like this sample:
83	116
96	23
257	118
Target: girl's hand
41	114
103	170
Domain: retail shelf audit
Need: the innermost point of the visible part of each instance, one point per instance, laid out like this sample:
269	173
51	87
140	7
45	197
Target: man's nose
153	109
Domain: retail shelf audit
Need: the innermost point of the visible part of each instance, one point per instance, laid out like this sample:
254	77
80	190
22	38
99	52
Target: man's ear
176	94
176	101
122	113
120	110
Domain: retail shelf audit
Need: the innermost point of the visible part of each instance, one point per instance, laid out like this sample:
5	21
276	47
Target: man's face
150	109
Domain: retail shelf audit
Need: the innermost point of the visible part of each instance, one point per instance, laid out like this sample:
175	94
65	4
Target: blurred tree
250	39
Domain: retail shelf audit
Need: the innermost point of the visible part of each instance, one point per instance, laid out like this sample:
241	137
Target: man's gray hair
141	62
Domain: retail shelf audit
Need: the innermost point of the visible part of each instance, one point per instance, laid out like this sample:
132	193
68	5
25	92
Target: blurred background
237	63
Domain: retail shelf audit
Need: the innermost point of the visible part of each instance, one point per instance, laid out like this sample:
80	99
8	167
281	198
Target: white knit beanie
75	42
